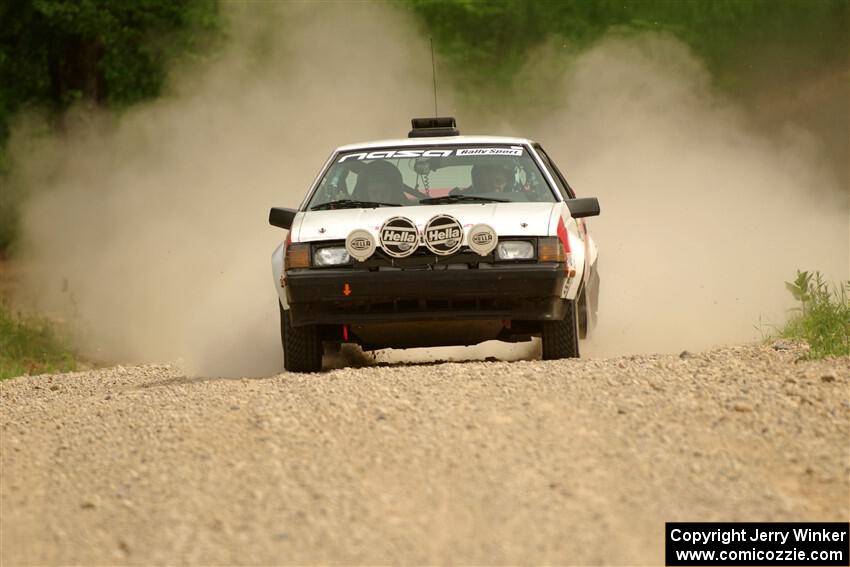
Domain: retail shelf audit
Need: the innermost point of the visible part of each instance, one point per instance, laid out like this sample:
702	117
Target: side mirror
586	207
281	217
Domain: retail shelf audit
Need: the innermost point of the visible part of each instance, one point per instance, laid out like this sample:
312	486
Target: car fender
277	273
578	248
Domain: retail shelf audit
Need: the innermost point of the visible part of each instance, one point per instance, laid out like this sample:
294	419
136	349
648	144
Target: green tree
98	52
490	40
55	52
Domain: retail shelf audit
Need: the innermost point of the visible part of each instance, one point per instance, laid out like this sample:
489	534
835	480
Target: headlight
515	250
330	256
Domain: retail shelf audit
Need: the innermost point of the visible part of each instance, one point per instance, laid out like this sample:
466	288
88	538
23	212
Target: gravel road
565	462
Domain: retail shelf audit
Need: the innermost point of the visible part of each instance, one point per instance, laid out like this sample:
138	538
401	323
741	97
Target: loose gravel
564	462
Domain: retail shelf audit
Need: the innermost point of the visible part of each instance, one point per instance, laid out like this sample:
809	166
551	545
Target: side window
563	187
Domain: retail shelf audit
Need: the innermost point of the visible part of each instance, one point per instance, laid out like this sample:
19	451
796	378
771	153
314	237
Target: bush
30	345
823	318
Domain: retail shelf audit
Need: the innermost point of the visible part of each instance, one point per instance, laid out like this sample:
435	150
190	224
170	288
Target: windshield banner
388	154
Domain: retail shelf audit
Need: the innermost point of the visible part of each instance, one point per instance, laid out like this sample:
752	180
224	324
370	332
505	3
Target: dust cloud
148	234
704	217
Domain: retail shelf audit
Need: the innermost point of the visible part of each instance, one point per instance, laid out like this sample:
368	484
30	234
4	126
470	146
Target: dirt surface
566	462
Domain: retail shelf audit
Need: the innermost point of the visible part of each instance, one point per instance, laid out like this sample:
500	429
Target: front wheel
560	338
302	348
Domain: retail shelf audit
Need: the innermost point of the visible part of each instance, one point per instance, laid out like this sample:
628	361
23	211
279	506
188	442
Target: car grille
424	259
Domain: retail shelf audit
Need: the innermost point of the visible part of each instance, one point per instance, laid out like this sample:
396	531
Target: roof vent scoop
431	127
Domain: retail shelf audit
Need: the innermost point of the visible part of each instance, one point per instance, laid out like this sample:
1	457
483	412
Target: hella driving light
515	250
331	256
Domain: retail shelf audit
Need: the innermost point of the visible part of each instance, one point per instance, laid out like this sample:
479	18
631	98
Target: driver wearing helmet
381	182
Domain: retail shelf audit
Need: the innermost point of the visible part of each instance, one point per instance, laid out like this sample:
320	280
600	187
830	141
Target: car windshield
429	175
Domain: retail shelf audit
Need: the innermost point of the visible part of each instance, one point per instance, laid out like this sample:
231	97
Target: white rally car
435	240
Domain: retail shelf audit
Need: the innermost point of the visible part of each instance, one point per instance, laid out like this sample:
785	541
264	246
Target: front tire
302	348
560	338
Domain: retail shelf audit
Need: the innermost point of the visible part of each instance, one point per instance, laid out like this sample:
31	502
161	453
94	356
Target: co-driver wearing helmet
489	178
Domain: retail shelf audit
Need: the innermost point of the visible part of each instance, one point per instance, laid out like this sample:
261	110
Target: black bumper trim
517	291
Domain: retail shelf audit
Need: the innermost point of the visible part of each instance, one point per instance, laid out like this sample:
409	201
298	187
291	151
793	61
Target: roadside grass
823	317
30	345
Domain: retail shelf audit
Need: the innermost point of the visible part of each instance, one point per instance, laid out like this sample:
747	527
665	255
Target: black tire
560	338
302	348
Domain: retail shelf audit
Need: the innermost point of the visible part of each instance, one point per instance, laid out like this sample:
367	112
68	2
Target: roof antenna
434	75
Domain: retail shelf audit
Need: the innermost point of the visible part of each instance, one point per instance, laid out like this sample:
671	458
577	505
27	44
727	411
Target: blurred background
785	60
142	143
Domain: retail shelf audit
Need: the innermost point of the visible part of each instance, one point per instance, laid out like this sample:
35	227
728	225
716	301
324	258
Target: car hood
508	219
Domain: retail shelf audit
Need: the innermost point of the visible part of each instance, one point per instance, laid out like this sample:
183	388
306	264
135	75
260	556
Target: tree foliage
56	52
490	41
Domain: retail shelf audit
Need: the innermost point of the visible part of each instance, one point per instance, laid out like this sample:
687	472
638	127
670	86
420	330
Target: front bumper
344	296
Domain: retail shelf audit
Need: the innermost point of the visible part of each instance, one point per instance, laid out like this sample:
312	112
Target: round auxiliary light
482	239
399	237
360	244
443	235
